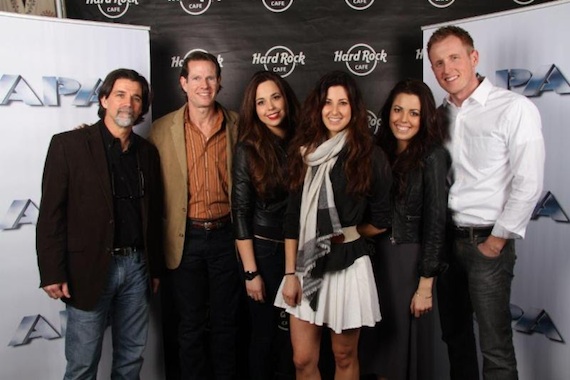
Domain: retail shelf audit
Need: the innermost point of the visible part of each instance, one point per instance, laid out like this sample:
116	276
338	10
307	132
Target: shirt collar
480	95
220	118
111	141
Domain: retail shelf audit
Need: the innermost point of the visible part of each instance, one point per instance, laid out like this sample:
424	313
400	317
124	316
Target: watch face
250	275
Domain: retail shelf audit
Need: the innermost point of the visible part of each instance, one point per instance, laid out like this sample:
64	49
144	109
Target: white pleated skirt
348	299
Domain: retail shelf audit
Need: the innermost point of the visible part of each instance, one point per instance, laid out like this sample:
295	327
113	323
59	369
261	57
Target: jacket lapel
179	141
96	150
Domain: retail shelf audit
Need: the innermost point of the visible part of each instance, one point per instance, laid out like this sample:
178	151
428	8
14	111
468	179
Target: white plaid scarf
318	220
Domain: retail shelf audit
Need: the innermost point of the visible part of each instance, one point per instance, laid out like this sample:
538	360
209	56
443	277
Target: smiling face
270	106
405	118
201	85
454	65
336	112
123	106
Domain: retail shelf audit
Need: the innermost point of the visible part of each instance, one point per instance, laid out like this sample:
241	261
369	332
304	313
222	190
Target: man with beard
98	231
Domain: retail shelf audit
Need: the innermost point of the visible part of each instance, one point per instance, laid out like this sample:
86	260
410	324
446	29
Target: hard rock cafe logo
112	8
523	2
374	122
277	5
195	7
361	59
279	59
359	5
176	60
441	3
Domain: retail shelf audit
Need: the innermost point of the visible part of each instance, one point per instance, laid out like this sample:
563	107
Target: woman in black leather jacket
409	257
268	117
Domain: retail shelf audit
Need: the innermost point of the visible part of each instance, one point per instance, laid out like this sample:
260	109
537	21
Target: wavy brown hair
312	132
431	132
109	82
265	169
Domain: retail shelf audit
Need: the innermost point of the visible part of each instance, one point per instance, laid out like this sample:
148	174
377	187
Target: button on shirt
127	186
497	154
207	170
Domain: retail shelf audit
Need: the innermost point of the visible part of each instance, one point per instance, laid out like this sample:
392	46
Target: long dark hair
430	134
312	132
265	169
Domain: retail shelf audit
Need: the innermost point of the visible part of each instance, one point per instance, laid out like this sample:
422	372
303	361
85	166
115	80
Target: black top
352	210
127	186
253	214
420	215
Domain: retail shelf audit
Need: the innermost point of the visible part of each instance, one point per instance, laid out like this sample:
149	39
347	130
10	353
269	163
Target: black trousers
206	289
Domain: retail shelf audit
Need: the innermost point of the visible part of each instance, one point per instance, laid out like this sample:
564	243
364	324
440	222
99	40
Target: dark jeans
206	289
270	352
476	283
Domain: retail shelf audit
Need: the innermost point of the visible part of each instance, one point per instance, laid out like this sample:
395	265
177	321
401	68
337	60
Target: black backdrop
315	31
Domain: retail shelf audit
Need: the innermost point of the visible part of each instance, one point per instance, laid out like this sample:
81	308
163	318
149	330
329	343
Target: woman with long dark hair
340	186
409	257
268	117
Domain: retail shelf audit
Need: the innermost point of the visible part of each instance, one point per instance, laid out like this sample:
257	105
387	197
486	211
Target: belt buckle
124	251
208	226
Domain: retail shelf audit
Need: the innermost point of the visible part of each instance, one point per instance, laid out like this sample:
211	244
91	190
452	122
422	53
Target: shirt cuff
501	232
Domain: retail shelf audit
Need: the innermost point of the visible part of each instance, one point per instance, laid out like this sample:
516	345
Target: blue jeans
206	288
123	304
270	351
480	284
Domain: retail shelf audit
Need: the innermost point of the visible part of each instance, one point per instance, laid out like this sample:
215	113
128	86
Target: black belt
210	225
125	251
471	232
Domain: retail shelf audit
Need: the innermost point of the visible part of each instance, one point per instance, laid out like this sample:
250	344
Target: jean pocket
481	254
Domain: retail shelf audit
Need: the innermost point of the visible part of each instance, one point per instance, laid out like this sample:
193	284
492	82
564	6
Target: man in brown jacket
98	232
195	145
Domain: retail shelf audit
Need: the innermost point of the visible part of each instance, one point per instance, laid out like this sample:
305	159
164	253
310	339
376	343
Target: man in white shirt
497	152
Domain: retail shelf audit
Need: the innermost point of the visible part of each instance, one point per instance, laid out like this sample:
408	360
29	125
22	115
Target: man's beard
124	118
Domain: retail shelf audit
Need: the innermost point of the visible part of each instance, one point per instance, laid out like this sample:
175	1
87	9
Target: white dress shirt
497	153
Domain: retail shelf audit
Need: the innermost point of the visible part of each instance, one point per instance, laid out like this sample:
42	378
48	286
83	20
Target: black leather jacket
420	217
253	215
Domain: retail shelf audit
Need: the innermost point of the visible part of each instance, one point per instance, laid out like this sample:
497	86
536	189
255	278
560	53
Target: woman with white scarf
340	193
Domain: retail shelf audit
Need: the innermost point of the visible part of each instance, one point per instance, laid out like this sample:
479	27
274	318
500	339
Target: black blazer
75	230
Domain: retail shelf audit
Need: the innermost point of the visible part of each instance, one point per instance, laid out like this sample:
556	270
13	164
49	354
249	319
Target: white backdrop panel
48	73
528	40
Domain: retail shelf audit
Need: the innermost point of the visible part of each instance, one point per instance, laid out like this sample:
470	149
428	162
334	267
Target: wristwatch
250	275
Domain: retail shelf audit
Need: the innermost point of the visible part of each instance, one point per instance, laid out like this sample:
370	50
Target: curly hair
264	166
312	132
431	132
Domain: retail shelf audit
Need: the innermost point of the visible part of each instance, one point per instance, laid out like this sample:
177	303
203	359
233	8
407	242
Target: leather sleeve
243	195
379	204
434	213
291	225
